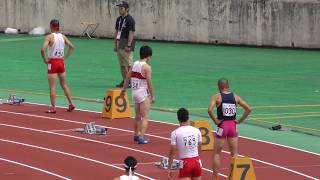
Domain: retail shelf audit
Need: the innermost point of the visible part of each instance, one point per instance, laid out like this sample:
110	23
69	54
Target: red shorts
228	129
191	168
56	66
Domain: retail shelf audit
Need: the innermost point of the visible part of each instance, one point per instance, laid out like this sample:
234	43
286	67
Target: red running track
36	145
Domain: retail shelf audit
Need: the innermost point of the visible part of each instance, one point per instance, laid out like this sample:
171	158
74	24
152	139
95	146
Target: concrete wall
283	23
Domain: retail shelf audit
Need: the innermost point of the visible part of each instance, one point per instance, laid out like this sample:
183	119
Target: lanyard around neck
123	24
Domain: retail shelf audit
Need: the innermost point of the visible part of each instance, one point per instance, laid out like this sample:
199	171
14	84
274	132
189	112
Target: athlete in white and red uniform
142	93
55	43
139	84
226	103
187	141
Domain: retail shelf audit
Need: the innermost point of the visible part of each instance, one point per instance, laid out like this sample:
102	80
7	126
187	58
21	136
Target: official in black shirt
124	39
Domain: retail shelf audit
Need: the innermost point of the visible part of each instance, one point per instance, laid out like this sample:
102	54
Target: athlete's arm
246	107
126	82
43	49
148	71
131	28
70	46
212	105
115	35
199	148
172	152
199	143
130	39
117	178
115	41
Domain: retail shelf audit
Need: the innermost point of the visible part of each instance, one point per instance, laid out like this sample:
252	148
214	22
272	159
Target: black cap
123	4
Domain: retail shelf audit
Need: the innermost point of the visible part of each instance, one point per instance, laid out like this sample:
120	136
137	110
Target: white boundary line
264	162
267	142
63	153
34	168
287	169
289	147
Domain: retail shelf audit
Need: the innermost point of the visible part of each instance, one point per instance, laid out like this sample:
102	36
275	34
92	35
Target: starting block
241	169
206	133
13	100
116	106
91	128
164	163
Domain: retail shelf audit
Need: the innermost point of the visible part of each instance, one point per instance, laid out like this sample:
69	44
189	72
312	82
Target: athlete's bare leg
218	145
51	80
187	178
63	84
233	146
137	119
144	110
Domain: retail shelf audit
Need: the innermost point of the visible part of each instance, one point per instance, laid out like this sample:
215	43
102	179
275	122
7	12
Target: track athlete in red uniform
55	43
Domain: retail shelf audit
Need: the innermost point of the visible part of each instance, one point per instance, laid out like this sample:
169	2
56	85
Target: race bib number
49	67
178	164
59	53
190	141
229	109
135	83
219	131
119	35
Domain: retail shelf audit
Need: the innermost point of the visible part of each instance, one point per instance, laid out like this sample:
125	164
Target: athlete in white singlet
56	50
139	83
187	141
126	177
142	93
55	43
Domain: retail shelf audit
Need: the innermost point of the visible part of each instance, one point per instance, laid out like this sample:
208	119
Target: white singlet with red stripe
187	139
56	50
139	84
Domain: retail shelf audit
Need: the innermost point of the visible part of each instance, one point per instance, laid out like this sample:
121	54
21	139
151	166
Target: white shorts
139	95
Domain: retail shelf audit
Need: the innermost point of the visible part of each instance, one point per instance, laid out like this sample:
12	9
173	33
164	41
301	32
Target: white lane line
267	142
261	161
68	154
76	122
95	141
34	168
143	163
288	147
63	130
287	169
